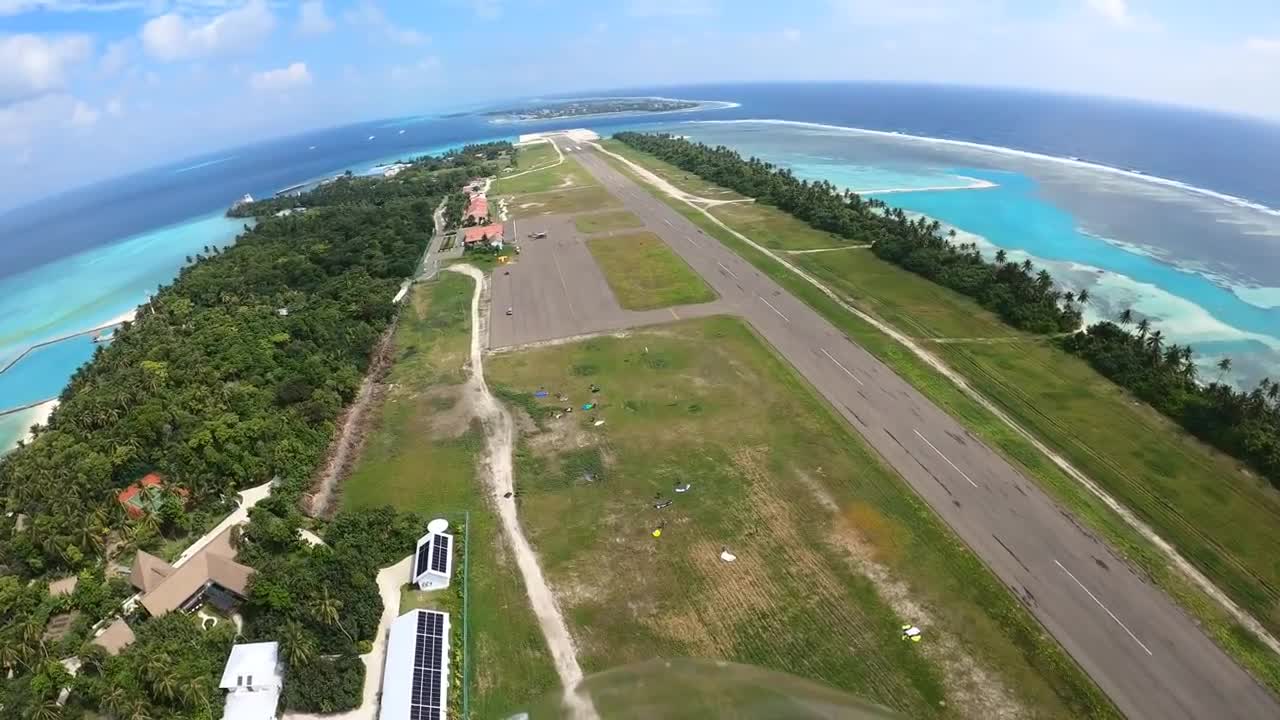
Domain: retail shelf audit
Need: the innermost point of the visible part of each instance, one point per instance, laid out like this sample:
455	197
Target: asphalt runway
555	289
1147	655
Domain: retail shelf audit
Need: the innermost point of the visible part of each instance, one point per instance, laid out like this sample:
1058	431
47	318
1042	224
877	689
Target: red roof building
478	208
481	233
135	501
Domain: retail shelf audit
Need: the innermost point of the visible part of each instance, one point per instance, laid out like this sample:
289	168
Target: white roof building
433	561
415	681
253	679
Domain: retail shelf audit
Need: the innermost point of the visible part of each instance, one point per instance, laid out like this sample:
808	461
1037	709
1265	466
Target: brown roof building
116	637
210	575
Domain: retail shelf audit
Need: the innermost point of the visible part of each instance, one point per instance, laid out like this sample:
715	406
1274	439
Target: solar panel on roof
420	564
426	694
440	554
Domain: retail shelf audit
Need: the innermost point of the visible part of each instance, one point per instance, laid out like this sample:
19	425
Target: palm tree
298	646
1082	297
115	700
165	683
326	609
1068	297
1273	392
1155	342
1143	326
47	710
1001	256
1224	367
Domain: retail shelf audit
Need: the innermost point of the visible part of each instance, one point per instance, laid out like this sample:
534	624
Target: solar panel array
424	555
426	697
440	553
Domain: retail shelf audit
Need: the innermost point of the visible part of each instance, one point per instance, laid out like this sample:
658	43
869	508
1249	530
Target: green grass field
605	221
535	156
421	456
645	274
1063	402
568	174
834	551
561	201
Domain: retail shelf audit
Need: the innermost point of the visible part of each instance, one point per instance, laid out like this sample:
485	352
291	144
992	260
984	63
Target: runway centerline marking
722	267
771	307
1104	607
842	367
695	242
563	285
944	457
668	222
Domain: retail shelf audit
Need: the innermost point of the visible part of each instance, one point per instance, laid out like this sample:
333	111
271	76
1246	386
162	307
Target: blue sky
93	87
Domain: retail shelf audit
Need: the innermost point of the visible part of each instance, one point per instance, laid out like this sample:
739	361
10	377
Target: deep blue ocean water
80	259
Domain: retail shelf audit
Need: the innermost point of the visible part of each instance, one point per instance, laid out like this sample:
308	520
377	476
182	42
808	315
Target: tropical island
590	107
157	519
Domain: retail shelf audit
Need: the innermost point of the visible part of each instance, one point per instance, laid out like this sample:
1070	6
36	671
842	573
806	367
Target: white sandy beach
40	416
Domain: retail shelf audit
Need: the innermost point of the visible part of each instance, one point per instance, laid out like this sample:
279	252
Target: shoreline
116	321
703	106
1027	154
975	184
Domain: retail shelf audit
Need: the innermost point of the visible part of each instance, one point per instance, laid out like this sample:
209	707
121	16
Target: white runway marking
695	242
722	267
1104	607
944	457
842	367
668	222
771	307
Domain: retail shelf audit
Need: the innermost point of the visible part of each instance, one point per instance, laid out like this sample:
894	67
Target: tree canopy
1022	297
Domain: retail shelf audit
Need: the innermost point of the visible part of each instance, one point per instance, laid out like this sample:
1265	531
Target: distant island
591	106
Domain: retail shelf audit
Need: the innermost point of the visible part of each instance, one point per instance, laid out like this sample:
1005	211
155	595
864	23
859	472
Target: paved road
556	289
1143	651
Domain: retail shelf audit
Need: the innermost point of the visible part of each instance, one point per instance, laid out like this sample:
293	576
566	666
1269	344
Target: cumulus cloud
32	65
116	57
312	18
370	17
1115	12
174	36
283	79
1266	46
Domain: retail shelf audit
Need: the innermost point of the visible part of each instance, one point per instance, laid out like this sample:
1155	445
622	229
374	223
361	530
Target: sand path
500	440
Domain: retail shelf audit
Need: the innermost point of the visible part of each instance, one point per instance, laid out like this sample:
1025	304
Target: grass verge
605	221
864	285
556	202
833	549
568	174
645	274
421	456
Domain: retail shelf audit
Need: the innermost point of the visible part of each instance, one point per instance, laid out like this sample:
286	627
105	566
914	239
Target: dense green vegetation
231	376
1024	299
1244	424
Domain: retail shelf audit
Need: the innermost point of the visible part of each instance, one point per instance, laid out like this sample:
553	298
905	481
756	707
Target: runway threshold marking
1104	607
771	307
735	277
944	457
842	367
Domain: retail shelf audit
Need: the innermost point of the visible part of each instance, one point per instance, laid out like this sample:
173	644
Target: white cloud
17	7
283	79
672	8
32	65
114	107
790	34
427	68
370	16
1115	12
116	57
1264	45
82	115
312	19
174	36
